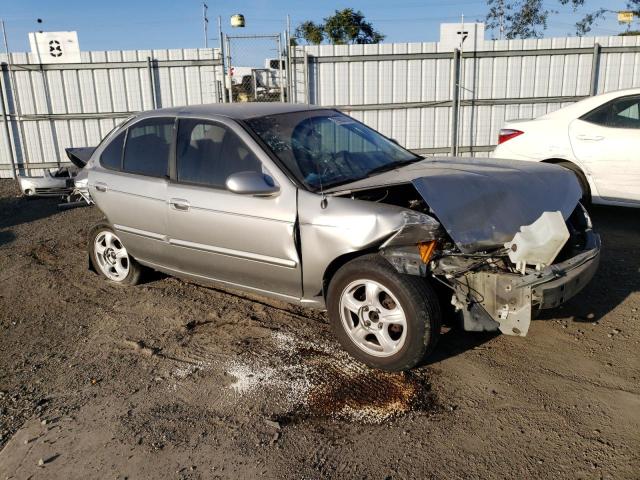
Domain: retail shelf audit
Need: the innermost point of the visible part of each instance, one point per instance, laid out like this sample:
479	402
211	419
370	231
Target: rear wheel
385	319
110	258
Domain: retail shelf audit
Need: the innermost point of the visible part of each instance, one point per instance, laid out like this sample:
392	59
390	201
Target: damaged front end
504	245
492	292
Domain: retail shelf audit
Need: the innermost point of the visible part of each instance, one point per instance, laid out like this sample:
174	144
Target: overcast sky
125	25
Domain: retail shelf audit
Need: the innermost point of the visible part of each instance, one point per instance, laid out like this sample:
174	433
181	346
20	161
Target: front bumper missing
505	301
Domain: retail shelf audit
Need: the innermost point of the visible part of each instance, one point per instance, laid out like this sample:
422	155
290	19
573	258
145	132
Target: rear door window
147	148
621	113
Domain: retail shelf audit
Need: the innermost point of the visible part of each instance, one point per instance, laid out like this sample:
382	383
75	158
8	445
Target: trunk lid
80	156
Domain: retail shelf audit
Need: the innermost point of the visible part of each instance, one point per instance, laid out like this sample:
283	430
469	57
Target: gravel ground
174	380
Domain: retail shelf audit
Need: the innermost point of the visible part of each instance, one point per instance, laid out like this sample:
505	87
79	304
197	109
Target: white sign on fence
466	36
55	47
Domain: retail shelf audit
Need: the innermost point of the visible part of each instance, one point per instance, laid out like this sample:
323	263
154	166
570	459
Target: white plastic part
538	244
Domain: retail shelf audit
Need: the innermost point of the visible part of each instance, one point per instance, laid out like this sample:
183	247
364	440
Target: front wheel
110	258
385	319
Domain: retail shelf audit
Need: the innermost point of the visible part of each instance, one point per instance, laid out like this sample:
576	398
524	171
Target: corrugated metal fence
408	90
50	107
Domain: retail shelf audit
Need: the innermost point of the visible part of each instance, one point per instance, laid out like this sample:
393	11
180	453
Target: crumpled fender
344	226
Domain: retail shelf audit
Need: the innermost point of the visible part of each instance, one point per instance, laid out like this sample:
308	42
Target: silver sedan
310	206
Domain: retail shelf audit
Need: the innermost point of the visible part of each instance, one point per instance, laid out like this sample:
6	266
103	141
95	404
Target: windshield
324	148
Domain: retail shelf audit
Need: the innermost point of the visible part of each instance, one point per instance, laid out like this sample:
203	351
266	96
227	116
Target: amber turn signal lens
426	250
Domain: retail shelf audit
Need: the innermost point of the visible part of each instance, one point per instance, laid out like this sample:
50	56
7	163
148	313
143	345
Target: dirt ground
174	380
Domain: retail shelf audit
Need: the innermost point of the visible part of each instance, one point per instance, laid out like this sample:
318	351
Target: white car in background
598	138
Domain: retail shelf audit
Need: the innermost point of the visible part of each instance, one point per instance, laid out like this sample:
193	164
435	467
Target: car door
214	233
607	141
131	187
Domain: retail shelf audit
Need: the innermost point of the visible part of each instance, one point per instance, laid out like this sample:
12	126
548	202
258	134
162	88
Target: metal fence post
287	42
5	121
293	68
19	139
152	83
455	85
222	57
307	96
595	69
280	76
215	77
229	67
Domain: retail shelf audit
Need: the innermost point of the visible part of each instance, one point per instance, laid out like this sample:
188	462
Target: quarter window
112	155
620	113
147	147
207	153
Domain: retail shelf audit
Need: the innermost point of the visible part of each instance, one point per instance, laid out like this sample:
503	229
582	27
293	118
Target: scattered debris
45	460
141	347
330	384
272	423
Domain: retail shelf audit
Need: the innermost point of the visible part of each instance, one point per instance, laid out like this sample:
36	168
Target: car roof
586	105
238	111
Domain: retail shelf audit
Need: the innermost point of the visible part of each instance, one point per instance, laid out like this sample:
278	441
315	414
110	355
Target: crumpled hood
482	203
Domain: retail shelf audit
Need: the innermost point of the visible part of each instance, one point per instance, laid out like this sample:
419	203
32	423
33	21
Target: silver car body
288	244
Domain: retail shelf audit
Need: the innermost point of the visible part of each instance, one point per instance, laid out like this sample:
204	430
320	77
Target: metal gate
255	69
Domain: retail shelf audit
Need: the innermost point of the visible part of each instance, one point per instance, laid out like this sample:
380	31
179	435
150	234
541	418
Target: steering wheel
345	159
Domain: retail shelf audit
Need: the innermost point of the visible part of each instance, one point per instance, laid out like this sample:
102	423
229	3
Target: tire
385	319
110	258
582	180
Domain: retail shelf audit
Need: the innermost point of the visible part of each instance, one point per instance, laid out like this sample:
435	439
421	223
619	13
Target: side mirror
251	183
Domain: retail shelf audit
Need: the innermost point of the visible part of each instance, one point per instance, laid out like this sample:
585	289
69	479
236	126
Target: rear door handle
593	138
180	204
101	186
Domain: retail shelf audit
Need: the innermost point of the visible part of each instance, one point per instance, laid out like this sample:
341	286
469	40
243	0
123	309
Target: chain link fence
255	69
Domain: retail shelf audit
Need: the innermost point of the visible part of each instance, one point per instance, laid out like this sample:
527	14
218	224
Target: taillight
507	134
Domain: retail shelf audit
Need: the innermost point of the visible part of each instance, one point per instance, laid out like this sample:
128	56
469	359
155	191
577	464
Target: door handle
593	138
179	204
101	186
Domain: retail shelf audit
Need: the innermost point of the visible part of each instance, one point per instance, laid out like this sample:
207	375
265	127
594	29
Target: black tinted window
621	113
112	154
207	153
147	148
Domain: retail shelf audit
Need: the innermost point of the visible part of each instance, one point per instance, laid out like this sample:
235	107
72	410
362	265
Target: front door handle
180	204
593	138
101	186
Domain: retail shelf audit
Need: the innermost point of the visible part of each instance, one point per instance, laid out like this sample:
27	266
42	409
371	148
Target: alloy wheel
373	318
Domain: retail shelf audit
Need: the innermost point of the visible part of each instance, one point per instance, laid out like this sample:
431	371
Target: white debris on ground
319	380
292	380
189	369
248	378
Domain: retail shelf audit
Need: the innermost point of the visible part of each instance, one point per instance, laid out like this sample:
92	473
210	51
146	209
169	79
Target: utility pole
205	24
458	79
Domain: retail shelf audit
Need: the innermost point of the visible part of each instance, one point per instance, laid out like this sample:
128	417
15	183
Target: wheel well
556	160
569	165
338	262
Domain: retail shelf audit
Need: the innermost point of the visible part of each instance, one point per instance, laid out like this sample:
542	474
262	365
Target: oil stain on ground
370	395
